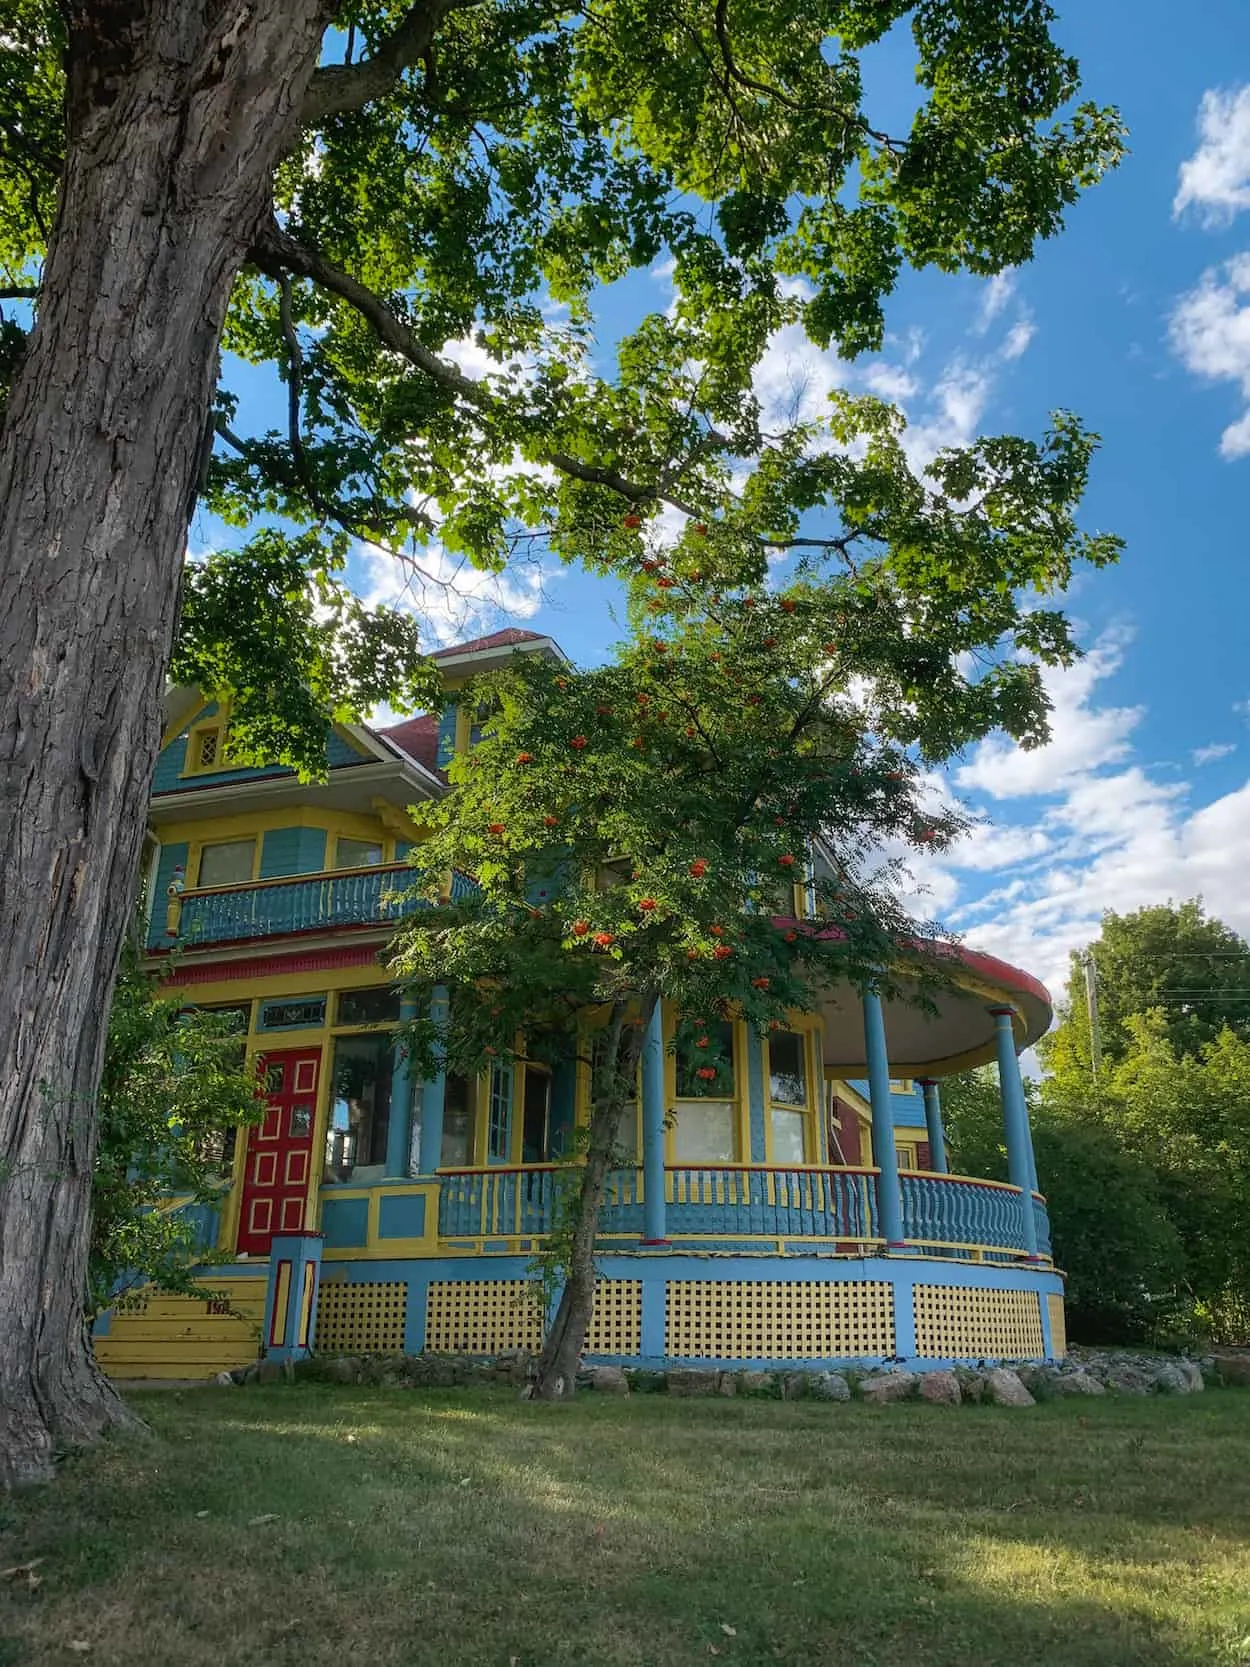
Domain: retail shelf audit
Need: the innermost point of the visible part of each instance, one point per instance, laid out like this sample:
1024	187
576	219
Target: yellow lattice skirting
715	1319
361	1319
486	1316
955	1322
1058	1326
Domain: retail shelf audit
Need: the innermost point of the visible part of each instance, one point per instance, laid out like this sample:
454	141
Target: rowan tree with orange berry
718	817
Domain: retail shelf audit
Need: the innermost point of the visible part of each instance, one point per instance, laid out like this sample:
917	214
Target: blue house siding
286	851
172	857
172	762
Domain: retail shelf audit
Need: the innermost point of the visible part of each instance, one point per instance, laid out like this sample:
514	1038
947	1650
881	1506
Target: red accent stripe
266	966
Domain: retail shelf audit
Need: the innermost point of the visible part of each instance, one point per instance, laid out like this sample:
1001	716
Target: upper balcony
324	902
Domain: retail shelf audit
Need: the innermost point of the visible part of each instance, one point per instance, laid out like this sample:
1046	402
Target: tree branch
338	88
19	293
277	253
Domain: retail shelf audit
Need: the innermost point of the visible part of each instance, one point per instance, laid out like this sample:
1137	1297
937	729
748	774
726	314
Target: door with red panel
278	1165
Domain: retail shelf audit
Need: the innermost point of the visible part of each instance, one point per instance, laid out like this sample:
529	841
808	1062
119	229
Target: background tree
1111	1229
636	831
345	192
175	1085
1173	957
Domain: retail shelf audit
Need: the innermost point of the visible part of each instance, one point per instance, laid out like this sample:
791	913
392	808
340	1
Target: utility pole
1091	1003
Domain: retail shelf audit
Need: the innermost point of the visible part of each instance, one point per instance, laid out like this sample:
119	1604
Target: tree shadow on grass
309	1526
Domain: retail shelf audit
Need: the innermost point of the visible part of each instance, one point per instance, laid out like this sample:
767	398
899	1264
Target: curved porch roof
956	1035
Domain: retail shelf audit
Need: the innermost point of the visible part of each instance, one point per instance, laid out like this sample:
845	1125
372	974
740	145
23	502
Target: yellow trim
240	824
815	1139
183	725
741	1097
305	1306
219	721
196	849
281	1297
376	1248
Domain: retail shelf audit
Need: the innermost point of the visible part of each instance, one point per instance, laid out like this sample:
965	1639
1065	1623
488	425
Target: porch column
291	1296
399	1128
434	1094
1015	1124
884	1151
653	1223
933	1123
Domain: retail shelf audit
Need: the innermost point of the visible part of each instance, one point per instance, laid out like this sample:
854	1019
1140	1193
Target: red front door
279	1150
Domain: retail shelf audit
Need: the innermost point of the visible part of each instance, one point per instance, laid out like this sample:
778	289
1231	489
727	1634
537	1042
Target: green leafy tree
175	1083
1171	957
637	830
343	193
1112	1230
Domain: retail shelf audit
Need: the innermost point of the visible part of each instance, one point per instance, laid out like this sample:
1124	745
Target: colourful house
805	1216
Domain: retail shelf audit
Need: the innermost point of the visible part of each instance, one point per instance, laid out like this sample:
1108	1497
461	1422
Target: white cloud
1083	737
1084	828
1018	338
1212	751
1215	181
994	297
1210	334
889	382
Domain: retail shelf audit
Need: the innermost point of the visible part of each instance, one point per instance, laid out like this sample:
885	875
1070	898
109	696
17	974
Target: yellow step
157	1335
141	1329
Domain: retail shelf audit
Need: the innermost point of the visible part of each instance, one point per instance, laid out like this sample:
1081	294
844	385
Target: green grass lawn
307	1526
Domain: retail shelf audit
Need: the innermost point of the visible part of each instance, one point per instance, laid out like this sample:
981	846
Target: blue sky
1137	318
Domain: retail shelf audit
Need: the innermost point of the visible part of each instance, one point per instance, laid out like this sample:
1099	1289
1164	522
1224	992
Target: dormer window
206	747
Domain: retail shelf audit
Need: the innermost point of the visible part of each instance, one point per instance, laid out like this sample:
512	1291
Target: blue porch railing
771	1202
945	1215
957	1213
307	903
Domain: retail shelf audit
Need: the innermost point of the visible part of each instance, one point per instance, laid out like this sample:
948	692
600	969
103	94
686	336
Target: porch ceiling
955	1037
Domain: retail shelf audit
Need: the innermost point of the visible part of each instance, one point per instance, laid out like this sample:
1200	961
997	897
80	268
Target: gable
183	762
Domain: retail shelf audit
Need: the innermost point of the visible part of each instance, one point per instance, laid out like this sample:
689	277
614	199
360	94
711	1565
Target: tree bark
177	111
562	1351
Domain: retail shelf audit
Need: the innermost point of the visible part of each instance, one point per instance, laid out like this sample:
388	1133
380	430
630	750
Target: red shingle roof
418	737
507	638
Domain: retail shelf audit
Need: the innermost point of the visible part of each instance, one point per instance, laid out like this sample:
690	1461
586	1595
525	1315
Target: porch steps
154	1335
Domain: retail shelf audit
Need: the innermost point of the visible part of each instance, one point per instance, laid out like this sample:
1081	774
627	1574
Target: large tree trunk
177	111
562	1350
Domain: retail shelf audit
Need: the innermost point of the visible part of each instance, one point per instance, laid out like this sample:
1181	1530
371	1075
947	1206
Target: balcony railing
761	1203
306	903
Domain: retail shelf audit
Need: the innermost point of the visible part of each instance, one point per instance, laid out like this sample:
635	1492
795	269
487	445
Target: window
206	749
499	1120
302	1013
357	853
787	1068
229	864
906	1156
360	1108
902	1085
376	1006
706	1130
457	1123
536	1116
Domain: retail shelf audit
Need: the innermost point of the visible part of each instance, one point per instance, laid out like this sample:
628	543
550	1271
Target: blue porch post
933	1124
399	1129
653	1222
291	1295
1015	1125
884	1151
434	1095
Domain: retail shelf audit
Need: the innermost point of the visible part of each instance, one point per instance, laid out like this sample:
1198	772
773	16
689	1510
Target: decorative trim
269	966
